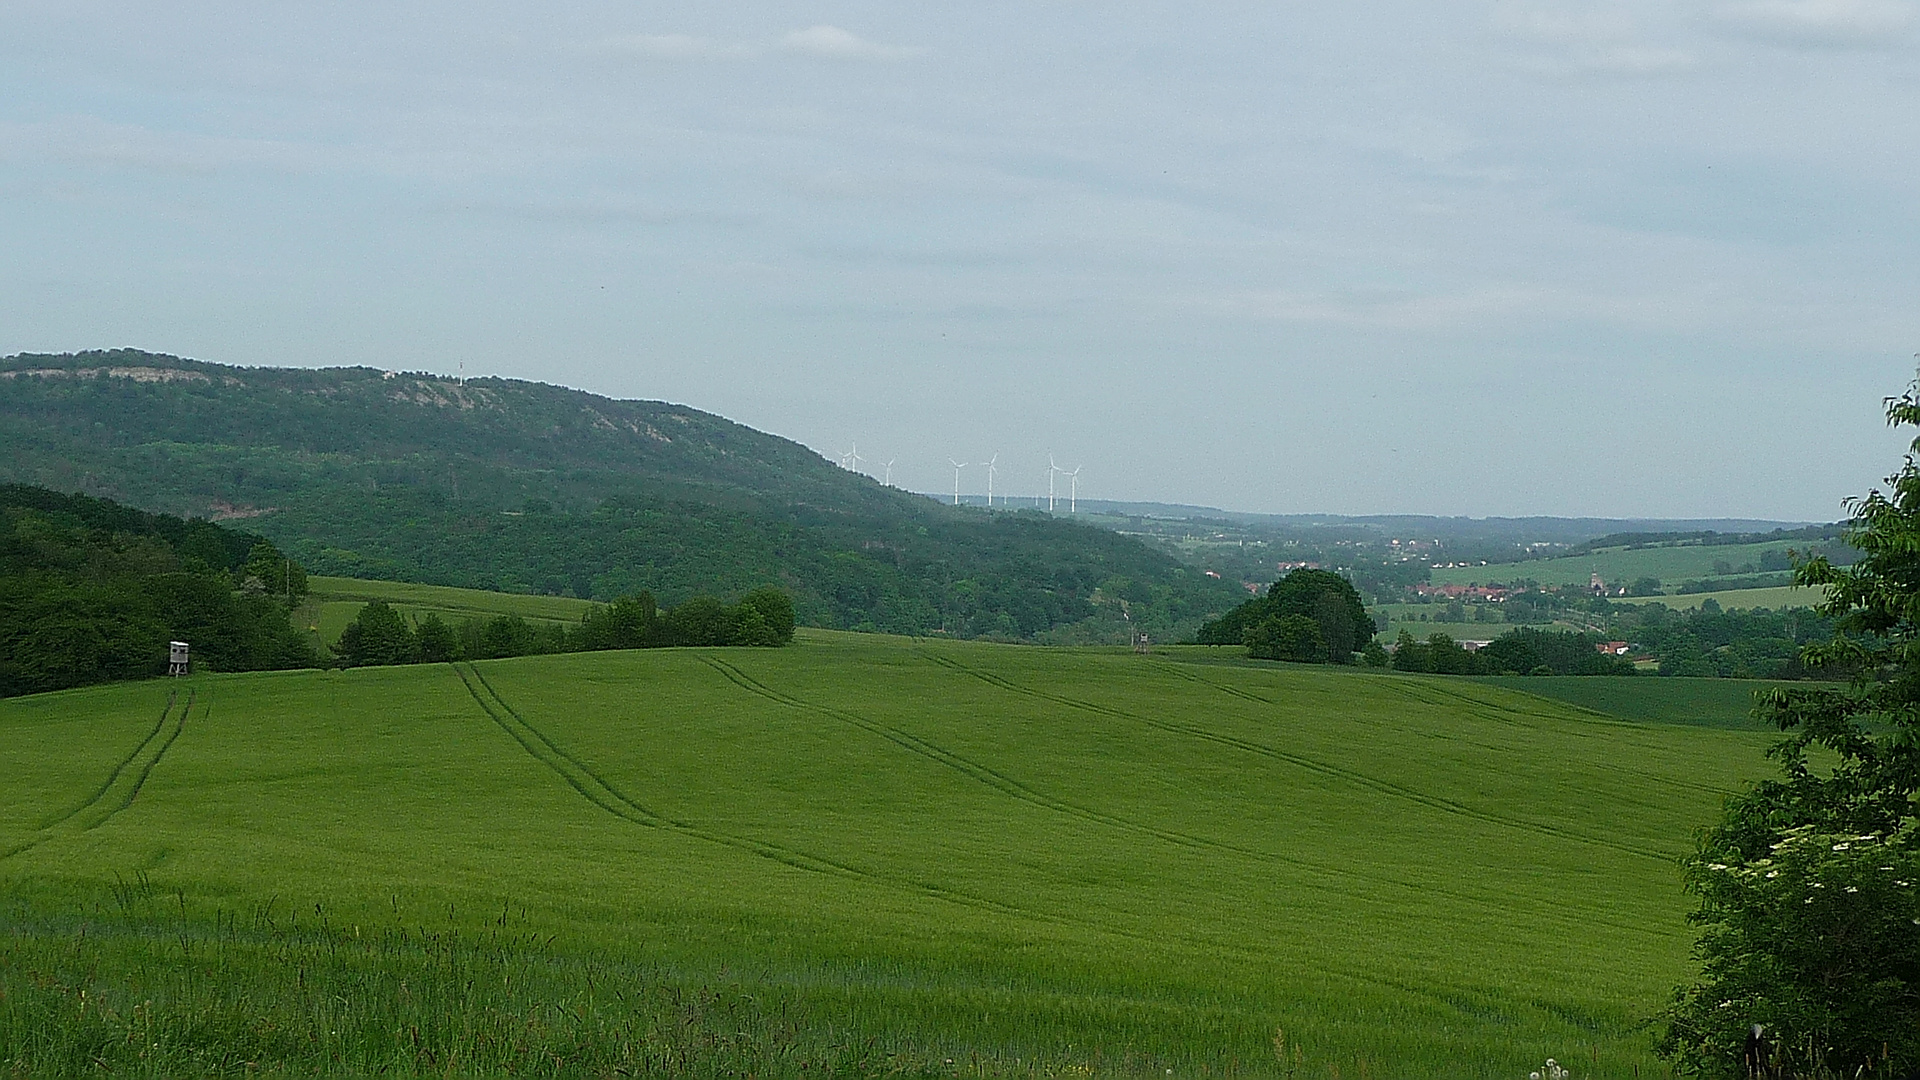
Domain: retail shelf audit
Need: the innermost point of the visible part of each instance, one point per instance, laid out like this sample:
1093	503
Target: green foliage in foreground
91	591
1029	861
143	987
1808	885
378	635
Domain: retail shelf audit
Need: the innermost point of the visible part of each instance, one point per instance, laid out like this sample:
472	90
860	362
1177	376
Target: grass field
333	602
1725	703
1740	599
858	854
1671	565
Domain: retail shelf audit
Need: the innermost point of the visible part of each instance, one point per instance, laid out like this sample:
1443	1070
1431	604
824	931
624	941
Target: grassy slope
951	848
1670	564
1726	703
1741	599
333	602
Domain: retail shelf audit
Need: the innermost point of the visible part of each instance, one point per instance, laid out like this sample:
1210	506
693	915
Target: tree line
91	592
381	635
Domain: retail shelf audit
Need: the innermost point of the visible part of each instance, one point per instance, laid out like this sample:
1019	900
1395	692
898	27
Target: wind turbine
889	467
1051	469
852	459
990	461
1073	498
957	466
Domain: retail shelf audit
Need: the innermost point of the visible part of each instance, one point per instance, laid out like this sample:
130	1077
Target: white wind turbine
957	466
1073	489
852	459
990	471
889	468
1051	469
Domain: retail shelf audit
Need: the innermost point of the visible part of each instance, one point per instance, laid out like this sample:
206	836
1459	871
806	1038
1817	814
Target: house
1613	648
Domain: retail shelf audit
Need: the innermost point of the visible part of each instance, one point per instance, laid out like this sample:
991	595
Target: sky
1654	259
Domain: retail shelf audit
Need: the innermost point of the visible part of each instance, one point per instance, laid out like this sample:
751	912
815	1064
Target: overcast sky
1633	259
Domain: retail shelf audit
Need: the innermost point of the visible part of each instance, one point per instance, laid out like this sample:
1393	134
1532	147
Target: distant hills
526	487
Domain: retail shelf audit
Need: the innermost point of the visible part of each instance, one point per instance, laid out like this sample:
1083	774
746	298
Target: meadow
333	602
1737	599
856	855
1620	566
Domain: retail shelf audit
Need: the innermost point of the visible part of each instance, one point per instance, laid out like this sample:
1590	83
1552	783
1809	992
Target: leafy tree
1287	637
699	621
268	571
1806	886
1326	599
1374	655
434	642
765	617
378	635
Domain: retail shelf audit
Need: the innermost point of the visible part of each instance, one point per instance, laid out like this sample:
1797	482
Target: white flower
1717	866
1841	847
1852	889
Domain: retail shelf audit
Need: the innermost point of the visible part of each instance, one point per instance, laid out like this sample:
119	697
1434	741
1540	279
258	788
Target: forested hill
518	486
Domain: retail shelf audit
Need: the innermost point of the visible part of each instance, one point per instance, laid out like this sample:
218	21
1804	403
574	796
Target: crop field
1671	565
332	603
1737	599
1726	703
856	855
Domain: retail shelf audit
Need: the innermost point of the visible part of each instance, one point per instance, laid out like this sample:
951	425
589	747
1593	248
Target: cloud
1587	39
1821	22
833	43
675	47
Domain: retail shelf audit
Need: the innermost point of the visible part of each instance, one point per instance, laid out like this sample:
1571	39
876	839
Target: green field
858	853
1740	599
1726	703
1621	566
333	602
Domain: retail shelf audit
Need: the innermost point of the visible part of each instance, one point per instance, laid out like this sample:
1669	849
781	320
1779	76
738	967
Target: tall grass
151	988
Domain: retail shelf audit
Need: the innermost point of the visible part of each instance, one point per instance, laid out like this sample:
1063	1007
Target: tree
764	617
376	636
1287	637
434	642
1325	598
1807	885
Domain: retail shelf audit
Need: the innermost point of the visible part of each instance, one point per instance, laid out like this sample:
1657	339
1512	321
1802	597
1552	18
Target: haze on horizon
1624	259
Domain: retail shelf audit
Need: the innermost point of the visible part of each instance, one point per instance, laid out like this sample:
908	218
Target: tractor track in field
139	781
1009	786
159	723
598	791
1311	765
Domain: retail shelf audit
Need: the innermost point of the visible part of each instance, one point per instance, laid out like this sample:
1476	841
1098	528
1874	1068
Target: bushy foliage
92	592
1520	651
1310	616
379	635
1806	884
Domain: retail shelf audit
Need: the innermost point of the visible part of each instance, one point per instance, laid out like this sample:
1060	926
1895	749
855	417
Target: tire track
100	793
604	795
1007	785
114	779
179	725
1309	764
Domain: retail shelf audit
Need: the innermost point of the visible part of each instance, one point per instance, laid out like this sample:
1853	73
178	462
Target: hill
858	855
523	487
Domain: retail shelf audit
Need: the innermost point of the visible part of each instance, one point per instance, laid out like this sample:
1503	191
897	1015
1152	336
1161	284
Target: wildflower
1841	847
1717	866
1852	889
